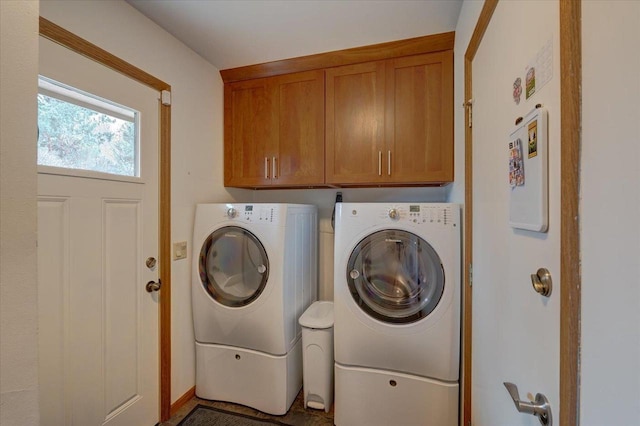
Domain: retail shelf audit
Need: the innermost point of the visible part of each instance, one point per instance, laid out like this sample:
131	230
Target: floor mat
203	415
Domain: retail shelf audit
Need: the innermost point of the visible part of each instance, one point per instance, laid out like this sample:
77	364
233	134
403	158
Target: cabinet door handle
266	168
379	163
389	163
275	167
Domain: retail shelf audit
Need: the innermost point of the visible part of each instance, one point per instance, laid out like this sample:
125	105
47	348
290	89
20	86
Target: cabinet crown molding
393	49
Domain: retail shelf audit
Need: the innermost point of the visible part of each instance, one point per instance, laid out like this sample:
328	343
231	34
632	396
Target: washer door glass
234	267
395	276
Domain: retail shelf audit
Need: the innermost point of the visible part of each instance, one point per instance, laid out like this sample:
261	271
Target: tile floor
297	415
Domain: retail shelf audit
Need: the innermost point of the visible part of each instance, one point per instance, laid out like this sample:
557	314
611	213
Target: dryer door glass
233	266
395	276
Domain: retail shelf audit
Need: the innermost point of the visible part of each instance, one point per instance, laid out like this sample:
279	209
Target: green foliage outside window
75	137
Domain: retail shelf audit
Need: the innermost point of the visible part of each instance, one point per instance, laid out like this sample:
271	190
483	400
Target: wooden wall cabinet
274	131
390	122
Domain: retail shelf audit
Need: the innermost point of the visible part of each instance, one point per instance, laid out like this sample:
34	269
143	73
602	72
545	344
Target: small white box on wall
528	205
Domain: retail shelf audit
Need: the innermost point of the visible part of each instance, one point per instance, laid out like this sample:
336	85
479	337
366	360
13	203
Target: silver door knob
541	282
153	286
539	408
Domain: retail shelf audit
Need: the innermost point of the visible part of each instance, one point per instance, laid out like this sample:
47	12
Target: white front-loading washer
397	313
254	274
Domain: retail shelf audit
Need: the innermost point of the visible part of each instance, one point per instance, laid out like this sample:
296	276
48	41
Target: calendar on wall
528	172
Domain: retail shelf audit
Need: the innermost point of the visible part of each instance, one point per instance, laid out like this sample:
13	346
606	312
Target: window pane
79	137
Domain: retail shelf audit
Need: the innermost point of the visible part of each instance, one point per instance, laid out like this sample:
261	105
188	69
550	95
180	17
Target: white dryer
397	313
254	274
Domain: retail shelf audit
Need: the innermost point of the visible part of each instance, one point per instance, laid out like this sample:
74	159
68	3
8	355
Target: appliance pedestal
265	382
365	396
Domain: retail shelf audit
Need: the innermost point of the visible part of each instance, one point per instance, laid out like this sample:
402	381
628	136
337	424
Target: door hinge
470	275
469	106
165	97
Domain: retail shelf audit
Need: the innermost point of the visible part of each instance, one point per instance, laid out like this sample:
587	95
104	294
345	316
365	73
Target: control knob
394	214
231	213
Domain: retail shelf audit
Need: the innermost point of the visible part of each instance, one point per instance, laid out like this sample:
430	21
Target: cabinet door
249	131
419	120
300	157
355	123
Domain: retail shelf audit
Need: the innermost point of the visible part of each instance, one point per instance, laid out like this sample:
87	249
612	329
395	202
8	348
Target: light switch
180	250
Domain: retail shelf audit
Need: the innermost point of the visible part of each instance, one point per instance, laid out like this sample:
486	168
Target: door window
395	276
80	131
233	266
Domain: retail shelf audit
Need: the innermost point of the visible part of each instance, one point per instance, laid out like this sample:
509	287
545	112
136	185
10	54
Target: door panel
515	330
53	282
355	123
122	267
300	157
98	326
420	118
249	122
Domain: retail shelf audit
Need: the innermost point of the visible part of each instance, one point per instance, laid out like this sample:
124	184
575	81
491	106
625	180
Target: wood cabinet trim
389	50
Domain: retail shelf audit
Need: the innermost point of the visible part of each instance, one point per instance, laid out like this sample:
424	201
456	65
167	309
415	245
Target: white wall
196	133
18	273
610	212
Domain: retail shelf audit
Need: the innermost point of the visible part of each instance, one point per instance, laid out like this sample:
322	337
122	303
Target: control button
393	214
231	213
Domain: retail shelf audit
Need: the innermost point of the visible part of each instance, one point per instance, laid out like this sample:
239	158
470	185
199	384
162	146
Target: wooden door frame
65	38
570	32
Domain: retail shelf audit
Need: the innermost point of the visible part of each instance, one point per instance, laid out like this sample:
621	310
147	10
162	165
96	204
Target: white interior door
98	335
515	330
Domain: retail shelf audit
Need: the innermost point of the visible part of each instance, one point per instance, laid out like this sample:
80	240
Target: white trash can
317	355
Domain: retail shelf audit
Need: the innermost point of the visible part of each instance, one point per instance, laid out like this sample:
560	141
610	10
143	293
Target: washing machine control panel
416	214
428	214
250	213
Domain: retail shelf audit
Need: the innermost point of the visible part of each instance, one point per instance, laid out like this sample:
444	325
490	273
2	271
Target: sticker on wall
531	82
516	164
540	69
533	138
517	90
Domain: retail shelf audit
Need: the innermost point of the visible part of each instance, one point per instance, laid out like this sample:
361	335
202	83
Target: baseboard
191	393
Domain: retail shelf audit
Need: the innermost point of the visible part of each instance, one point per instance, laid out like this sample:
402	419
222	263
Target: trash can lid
318	315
